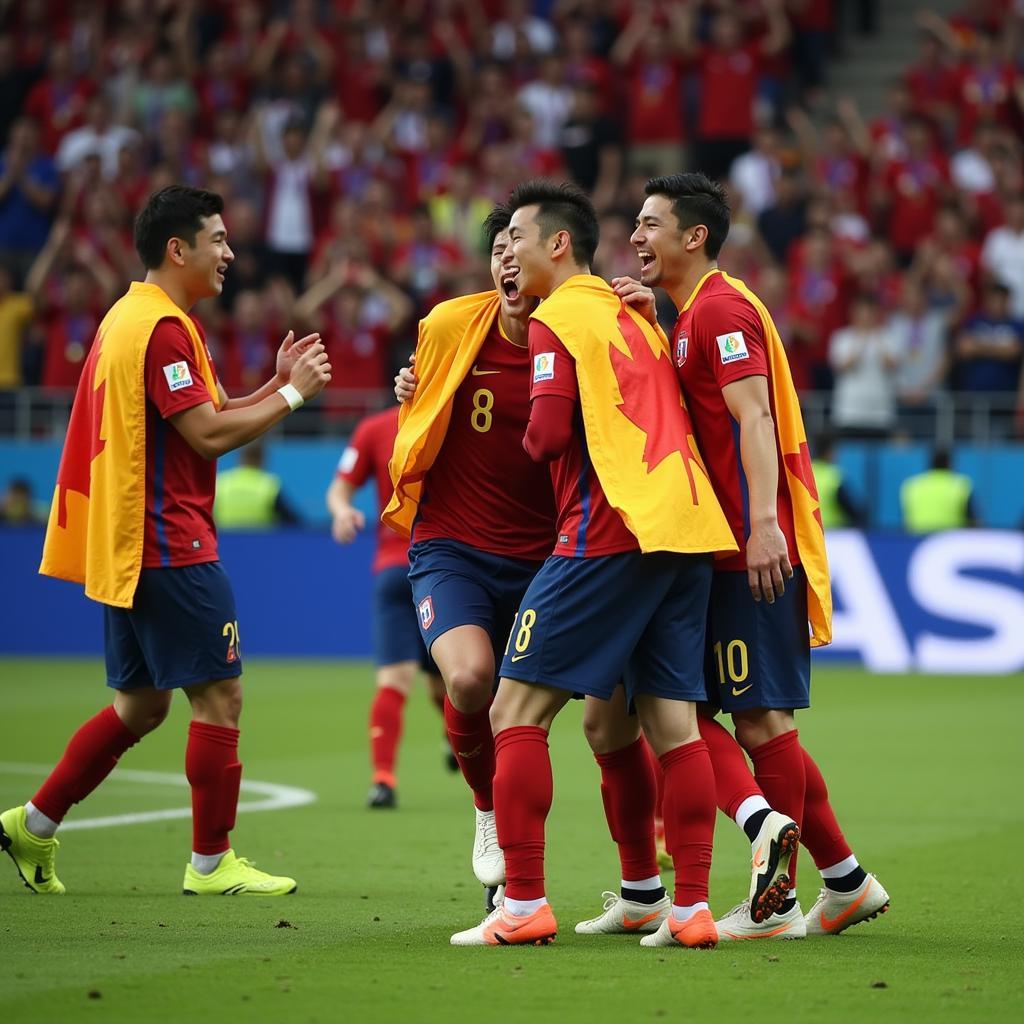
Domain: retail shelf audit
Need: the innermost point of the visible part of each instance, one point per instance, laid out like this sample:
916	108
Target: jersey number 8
482	416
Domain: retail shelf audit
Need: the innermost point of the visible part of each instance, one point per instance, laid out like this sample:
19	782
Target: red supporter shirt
180	483
368	454
719	339
588	526
483	490
728	87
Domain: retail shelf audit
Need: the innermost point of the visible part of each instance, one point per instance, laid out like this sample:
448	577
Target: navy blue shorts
587	624
181	630
396	633
759	654
456	585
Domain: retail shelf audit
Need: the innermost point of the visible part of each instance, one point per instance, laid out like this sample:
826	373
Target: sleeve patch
348	460
178	376
543	367
732	347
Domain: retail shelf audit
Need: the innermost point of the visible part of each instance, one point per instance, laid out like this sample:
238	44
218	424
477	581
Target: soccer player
624	594
398	648
132	519
746	416
479	510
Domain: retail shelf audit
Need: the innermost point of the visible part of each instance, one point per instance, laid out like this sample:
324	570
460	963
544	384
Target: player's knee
218	703
142	715
761	725
469	688
605	735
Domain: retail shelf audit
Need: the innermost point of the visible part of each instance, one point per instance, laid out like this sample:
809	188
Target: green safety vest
245	498
829	479
935	500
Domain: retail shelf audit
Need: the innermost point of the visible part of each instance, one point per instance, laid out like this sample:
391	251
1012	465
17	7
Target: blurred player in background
746	416
624	595
398	648
480	512
132	519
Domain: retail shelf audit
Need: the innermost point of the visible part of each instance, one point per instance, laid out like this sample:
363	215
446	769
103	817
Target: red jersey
588	526
368	454
719	339
483	490
180	483
728	88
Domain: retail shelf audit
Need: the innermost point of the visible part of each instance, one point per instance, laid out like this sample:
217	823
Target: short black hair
496	222
696	199
562	207
177	211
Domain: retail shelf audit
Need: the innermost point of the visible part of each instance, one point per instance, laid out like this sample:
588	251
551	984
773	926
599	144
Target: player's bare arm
287	356
768	565
212	433
346	519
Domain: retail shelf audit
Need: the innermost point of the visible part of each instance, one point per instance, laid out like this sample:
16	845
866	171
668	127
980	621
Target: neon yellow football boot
236	876
32	855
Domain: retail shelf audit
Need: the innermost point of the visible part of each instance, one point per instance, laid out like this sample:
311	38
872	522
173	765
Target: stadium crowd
360	145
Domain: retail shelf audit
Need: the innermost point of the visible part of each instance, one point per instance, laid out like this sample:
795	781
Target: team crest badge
426	611
682	344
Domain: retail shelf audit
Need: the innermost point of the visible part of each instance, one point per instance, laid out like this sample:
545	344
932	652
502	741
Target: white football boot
624	917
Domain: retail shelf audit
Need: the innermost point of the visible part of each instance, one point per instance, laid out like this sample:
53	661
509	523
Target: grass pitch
924	771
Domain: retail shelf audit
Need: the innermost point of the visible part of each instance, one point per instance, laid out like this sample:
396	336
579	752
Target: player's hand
768	565
637	295
406	382
311	371
347	524
289	352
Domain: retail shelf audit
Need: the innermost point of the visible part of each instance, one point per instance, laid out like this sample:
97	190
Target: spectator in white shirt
1002	255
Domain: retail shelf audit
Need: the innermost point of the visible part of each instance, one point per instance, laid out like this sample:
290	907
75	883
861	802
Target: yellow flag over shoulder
450	336
638	431
798	475
97	519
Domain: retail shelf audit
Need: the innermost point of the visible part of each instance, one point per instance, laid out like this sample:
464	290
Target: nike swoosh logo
739	693
637	922
762	935
827	923
471	753
519	657
40	879
758	859
483	373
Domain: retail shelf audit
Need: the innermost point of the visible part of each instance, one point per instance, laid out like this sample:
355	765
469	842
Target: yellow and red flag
97	517
450	336
797	474
638	430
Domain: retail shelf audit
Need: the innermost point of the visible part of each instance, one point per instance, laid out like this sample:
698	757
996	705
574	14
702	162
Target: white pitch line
275	796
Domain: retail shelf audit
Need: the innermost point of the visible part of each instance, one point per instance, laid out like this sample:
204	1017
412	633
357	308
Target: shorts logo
732	347
682	344
563	538
426	612
178	376
543	367
230	631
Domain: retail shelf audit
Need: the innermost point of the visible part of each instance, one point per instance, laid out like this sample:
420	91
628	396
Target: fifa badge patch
348	460
543	367
682	344
178	376
426	610
732	347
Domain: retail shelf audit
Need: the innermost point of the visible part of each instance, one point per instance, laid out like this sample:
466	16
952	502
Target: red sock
659	781
385	732
689	818
89	758
473	746
734	781
821	833
779	770
213	772
522	799
629	792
